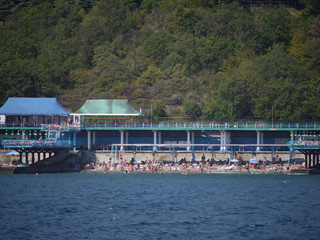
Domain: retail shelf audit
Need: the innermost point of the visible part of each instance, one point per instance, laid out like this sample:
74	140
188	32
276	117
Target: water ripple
153	206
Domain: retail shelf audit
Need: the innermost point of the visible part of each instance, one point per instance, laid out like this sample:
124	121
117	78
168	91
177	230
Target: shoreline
184	169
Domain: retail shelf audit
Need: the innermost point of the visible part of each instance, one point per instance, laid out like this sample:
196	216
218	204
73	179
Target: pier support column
188	140
154	140
222	147
305	160
89	140
313	159
309	160
259	140
224	140
121	139
32	158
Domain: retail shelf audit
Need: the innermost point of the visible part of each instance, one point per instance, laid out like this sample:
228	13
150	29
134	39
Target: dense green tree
18	80
191	109
109	68
158	110
230	100
157	46
237	60
312	7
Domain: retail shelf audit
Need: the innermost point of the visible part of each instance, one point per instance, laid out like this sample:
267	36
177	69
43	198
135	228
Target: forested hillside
189	58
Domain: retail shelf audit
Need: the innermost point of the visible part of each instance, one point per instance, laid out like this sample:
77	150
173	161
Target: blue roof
32	106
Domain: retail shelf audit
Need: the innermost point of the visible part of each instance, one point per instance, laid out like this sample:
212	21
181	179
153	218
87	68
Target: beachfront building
107	124
31	112
100	113
22	117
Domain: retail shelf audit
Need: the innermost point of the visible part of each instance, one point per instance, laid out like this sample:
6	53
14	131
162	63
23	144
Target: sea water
159	206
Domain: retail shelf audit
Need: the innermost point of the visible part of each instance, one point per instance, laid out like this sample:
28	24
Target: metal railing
60	127
37	144
304	144
199	147
188	125
204	125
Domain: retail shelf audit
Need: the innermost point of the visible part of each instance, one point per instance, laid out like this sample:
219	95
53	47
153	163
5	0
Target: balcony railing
204	125
304	144
37	143
188	125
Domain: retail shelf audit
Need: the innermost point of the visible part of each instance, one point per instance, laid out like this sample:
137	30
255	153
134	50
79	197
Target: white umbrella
254	161
234	160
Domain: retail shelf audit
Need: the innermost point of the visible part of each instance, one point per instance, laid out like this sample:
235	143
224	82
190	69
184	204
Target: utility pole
272	115
151	114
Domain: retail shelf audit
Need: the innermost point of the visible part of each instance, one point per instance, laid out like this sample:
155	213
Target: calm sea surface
154	206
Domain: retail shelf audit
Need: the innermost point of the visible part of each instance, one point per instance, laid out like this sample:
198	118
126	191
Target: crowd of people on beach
188	167
182	166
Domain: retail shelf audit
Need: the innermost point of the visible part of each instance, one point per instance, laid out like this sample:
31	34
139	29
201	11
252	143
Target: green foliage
158	110
230	100
17	79
157	46
312	8
275	79
151	76
109	68
273	28
238	61
191	109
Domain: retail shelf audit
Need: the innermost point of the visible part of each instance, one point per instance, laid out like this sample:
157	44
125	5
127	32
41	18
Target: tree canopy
190	58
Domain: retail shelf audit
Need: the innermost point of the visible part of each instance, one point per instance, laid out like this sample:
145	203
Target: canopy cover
107	107
33	106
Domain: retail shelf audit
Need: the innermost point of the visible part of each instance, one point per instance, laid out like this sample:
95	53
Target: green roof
107	107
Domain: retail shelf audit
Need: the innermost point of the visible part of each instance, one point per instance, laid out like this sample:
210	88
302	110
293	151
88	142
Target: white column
188	140
89	140
154	140
292	135
223	140
121	139
259	139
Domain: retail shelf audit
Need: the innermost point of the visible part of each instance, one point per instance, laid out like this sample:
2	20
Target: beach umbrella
254	161
14	153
